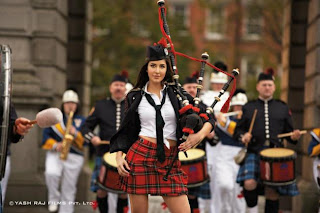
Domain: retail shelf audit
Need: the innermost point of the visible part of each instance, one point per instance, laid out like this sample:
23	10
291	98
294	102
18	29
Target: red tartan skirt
146	172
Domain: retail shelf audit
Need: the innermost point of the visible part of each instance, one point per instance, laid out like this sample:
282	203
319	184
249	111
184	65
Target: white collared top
147	115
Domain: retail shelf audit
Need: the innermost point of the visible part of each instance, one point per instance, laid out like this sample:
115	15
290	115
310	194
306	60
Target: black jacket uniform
273	118
130	127
108	115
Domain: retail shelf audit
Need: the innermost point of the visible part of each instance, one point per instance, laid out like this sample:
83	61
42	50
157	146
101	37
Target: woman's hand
192	141
195	139
123	167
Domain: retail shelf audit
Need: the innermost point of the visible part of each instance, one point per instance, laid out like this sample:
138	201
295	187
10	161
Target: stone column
79	69
36	31
44	38
79	49
296	90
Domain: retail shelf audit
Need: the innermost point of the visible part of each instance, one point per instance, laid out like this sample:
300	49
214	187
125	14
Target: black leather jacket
130	127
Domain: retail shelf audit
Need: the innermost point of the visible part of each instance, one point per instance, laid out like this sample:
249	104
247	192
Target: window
215	23
181	15
251	66
139	29
253	23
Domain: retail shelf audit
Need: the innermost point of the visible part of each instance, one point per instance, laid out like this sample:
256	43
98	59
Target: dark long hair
143	77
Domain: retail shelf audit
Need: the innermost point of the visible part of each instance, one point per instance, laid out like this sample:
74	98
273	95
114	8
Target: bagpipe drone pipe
191	119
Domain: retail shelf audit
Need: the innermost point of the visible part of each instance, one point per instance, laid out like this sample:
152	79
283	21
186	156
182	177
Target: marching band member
217	81
16	136
314	151
273	117
18	127
107	114
149	135
203	192
129	86
61	171
226	169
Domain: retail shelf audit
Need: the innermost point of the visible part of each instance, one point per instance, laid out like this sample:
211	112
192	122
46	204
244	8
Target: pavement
154	207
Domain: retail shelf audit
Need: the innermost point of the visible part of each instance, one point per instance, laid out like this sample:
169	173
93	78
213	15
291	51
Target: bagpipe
191	120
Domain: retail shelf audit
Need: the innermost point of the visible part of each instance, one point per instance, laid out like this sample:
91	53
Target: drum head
110	158
192	154
277	152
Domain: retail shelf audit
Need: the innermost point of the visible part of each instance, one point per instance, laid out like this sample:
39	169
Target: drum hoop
104	163
279	183
109	190
193	185
279	159
195	159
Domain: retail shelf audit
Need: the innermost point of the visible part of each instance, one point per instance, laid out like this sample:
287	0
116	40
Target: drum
195	166
277	166
109	177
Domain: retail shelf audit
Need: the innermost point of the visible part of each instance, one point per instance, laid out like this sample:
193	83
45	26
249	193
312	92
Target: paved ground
154	207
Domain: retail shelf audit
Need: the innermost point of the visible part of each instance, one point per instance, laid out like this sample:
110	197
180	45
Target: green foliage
122	30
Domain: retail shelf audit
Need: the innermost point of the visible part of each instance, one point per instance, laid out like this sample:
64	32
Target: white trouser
225	196
316	171
112	202
67	172
4	181
211	152
204	205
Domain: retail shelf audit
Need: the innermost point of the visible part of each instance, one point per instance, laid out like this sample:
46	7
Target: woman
150	143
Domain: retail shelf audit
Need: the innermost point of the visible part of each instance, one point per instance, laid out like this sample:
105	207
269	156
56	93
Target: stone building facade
300	89
51	51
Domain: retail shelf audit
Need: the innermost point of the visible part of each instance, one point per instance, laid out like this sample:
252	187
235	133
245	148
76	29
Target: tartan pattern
250	169
95	174
202	191
146	172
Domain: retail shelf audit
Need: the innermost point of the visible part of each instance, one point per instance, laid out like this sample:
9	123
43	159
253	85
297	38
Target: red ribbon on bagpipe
190	119
167	38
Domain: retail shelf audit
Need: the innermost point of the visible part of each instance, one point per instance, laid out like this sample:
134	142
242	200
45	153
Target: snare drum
195	166
108	176
277	166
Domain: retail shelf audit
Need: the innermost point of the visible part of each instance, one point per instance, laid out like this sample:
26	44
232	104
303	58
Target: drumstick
32	122
291	133
231	113
104	142
252	123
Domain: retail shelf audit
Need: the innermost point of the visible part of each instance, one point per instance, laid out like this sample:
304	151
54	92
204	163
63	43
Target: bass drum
5	90
195	166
